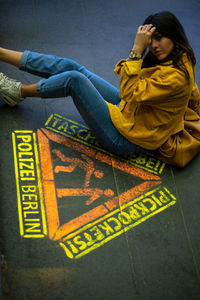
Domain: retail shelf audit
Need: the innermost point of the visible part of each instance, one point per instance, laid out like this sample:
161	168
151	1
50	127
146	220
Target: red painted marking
51	208
46	162
78	222
86	164
131	194
93	193
116	163
56	231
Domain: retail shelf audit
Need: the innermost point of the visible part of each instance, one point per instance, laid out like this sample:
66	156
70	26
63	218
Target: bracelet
134	56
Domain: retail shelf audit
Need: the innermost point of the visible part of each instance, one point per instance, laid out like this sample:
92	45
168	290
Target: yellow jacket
154	102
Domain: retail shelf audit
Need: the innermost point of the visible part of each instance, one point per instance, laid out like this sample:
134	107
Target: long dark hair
169	26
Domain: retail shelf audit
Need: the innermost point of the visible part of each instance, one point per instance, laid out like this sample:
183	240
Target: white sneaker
10	90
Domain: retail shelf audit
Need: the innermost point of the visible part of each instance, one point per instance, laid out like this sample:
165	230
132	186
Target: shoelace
4	80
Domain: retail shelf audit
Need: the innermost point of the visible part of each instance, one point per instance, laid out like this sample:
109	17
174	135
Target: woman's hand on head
143	38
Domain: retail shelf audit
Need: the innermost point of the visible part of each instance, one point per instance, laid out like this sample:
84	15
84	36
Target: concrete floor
105	227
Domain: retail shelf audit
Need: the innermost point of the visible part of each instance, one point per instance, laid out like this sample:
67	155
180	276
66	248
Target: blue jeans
65	77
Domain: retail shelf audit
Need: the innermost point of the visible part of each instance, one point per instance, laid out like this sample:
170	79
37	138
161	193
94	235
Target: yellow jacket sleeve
165	83
154	102
194	101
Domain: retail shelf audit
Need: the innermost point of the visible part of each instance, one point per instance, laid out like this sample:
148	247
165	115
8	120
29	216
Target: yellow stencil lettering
29	188
151	163
77	241
26	173
152	203
89	239
73	248
26	159
164	198
117	222
22	154
28	166
124	218
24	147
25	138
141	159
107	228
30	205
73	128
30	213
134	214
29	197
90	137
56	120
63	126
81	131
157	200
97	233
32	227
141	207
31	220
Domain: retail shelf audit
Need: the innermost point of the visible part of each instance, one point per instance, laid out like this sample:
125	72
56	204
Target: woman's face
161	46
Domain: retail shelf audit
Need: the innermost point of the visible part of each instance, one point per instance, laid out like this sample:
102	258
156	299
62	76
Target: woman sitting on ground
157	102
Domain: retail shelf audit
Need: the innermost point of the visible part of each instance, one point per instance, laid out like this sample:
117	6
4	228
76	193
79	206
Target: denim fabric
65	77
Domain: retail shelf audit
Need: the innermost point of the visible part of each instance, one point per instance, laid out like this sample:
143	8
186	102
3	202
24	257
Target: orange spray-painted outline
56	231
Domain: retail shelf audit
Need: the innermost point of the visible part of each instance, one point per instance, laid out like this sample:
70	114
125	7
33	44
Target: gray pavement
127	230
